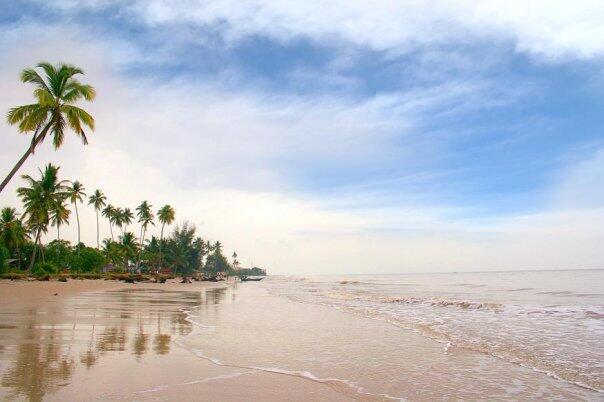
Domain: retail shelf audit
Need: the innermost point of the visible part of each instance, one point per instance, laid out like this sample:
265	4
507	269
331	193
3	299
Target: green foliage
216	262
44	268
88	260
184	251
4	256
59	253
252	271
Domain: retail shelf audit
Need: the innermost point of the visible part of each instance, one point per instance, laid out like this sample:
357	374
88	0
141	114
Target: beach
310	338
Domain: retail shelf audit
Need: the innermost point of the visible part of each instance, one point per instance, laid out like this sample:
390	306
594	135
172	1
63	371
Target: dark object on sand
160	279
246	279
44	278
129	280
185	279
62	279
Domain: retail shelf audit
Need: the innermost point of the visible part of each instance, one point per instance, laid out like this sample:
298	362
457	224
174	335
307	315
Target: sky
336	136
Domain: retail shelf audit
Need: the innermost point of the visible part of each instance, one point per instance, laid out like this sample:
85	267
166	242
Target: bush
89	260
44	268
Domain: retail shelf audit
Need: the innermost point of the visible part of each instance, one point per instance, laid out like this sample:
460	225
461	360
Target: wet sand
115	341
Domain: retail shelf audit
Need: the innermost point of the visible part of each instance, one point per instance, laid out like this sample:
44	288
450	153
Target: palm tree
75	193
128	247
109	213
12	232
97	199
166	216
145	217
127	217
39	198
217	247
59	215
118	218
53	110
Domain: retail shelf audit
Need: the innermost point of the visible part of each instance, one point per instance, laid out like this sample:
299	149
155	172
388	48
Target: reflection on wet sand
41	348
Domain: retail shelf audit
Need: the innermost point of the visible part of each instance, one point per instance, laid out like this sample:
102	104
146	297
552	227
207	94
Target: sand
95	339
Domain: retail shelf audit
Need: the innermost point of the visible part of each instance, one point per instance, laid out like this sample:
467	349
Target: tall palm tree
76	192
109	213
118	219
127	217
39	198
97	200
166	216
54	109
12	232
59	215
145	217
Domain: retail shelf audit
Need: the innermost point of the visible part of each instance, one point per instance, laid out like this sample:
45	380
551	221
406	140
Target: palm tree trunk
33	255
111	230
140	249
161	240
98	246
38	137
78	220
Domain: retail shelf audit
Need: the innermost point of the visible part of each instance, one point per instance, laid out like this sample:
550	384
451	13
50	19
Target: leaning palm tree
54	109
97	200
39	198
76	192
109	213
145	217
166	216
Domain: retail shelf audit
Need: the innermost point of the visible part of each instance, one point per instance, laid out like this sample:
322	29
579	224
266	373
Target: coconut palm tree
59	215
109	213
166	216
145	217
12	232
97	200
118	218
76	192
128	247
54	109
39	198
127	217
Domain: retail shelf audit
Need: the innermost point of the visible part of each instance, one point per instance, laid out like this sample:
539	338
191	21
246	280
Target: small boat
246	279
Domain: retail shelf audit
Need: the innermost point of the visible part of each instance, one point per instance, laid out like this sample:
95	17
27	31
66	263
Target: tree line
47	200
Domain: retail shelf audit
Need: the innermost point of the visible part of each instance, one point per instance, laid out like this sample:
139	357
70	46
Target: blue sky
440	121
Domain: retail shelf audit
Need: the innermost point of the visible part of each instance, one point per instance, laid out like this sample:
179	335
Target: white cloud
545	29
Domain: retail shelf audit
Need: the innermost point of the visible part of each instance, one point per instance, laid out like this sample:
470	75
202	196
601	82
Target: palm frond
30	75
51	77
74	91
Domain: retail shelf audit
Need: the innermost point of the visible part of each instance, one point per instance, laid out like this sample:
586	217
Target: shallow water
552	321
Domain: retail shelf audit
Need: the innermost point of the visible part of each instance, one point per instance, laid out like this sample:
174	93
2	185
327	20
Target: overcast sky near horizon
335	136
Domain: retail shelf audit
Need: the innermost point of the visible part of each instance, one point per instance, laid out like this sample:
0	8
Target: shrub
44	268
89	260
